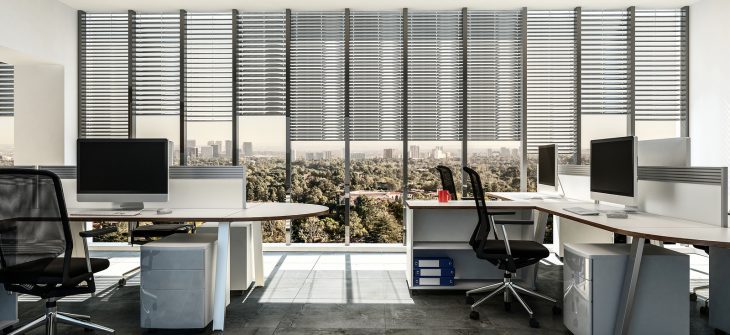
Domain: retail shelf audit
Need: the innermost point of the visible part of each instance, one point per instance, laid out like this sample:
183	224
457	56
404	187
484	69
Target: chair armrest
98	232
514	222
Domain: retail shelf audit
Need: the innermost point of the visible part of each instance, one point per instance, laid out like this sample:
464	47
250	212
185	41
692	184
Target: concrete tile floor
335	293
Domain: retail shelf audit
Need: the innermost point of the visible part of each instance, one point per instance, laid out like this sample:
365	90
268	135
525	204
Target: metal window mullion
464	88
577	160
234	88
523	92
183	91
80	83
288	158
684	95
131	63
405	119
631	72
346	186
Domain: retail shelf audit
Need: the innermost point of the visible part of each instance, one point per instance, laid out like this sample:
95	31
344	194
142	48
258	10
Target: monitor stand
128	206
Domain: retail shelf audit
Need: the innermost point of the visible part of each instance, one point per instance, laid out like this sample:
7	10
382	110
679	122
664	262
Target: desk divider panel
190	187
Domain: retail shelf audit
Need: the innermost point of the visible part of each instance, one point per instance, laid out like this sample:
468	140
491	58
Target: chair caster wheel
534	323
469	300
557	310
507	306
704	310
474	315
693	296
122	282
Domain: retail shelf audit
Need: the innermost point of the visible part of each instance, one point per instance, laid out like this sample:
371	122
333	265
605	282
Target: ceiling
203	5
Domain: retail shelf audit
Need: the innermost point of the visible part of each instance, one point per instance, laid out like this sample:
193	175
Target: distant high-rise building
216	150
309	156
327	155
248	149
490	152
190	143
191	151
207	151
229	147
293	154
438	153
414	152
389	153
504	152
515	153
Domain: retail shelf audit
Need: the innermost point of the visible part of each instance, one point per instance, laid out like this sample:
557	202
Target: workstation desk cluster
443	229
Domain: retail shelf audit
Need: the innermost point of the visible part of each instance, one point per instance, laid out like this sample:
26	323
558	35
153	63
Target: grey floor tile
338	316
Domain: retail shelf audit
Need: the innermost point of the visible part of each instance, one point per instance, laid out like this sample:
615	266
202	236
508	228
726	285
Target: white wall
710	82
39	98
42	35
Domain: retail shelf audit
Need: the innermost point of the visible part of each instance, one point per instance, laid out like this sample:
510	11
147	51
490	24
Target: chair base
52	317
510	289
129	274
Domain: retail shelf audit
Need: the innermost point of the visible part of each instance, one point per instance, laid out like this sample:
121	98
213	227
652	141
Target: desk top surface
253	212
646	225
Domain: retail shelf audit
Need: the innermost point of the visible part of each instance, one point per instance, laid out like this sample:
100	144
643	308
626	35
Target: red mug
444	196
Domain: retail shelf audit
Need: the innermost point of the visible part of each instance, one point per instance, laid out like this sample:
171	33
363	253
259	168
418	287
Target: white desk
640	226
255	213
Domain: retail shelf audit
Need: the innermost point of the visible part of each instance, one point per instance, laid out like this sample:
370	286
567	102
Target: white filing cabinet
177	281
593	275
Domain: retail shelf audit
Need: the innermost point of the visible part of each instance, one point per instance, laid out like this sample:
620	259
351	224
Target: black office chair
704	310
508	255
447	180
140	235
36	247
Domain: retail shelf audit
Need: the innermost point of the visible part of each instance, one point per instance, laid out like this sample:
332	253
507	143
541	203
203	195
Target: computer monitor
613	170
547	168
126	172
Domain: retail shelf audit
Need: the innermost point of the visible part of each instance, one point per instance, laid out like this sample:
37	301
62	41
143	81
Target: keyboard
106	213
581	210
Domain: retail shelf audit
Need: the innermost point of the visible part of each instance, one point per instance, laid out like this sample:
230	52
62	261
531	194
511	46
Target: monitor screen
122	166
613	166
546	165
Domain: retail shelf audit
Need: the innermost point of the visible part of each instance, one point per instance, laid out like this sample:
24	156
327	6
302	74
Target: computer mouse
164	211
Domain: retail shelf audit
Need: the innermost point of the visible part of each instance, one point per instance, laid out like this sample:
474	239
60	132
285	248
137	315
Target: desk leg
220	292
628	290
258	253
540	218
78	241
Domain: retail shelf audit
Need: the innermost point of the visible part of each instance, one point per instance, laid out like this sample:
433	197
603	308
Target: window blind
604	62
494	79
209	66
551	81
156	64
317	84
103	75
376	76
261	63
661	46
434	76
7	89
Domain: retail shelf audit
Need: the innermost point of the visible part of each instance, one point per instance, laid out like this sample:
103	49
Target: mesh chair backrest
447	180
483	228
33	218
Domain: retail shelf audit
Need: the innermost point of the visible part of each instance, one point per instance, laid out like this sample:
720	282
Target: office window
423	157
498	164
661	76
317	76
104	75
318	172
435	95
494	80
156	65
551	82
376	178
261	63
7	112
604	62
160	126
